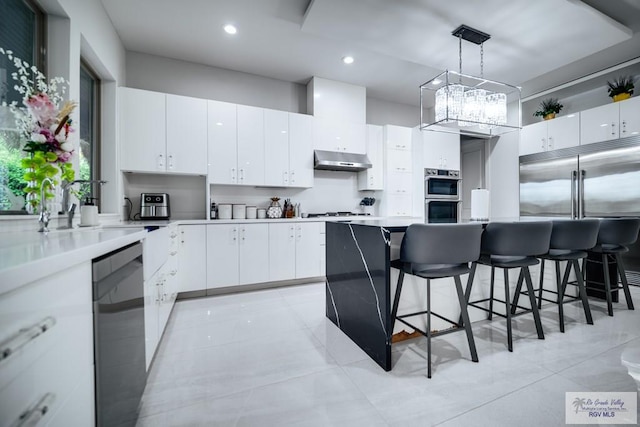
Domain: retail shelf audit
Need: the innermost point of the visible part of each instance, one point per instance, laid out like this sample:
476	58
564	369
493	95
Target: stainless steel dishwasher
118	321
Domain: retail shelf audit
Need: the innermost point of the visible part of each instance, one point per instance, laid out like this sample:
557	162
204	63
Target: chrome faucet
44	213
70	209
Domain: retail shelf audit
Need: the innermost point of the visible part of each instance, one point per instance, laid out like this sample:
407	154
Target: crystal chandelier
468	104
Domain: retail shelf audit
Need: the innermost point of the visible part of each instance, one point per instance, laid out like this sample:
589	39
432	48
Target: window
22	31
89	153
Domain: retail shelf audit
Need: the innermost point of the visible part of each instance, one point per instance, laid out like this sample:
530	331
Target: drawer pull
34	415
24	336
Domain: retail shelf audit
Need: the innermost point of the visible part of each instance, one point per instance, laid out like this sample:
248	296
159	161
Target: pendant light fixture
468	104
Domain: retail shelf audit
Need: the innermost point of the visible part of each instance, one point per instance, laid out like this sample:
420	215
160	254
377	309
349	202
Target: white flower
66	145
38	137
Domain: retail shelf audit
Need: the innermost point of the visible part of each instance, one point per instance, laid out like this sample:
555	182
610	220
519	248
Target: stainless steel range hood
339	161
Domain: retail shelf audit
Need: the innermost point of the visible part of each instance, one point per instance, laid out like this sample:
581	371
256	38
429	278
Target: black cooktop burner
315	215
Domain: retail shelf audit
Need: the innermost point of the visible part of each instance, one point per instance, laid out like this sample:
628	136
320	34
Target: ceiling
397	45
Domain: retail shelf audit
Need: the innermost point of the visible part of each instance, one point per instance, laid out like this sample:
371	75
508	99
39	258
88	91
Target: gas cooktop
315	215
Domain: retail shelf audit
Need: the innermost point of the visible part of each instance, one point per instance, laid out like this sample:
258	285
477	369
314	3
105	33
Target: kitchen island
358	291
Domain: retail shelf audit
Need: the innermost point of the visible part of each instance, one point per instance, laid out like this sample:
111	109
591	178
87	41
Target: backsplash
332	191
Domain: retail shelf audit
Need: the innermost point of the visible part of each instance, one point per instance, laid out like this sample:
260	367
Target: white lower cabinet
160	250
49	366
295	251
192	258
237	254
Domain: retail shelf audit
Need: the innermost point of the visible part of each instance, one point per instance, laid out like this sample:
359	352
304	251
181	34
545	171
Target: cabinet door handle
613	131
543	144
170	161
34	414
234	234
243	233
285	178
624	126
550	143
241	175
160	161
292	177
233	175
25	336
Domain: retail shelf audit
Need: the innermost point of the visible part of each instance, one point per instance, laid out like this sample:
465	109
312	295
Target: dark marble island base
358	296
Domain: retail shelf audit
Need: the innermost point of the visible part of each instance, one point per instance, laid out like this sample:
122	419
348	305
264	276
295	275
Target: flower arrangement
44	121
549	108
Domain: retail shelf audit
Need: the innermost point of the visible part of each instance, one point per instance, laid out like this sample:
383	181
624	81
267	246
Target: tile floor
271	358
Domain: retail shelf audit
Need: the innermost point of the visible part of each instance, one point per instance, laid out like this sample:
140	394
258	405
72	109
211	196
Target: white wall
503	177
382	113
161	74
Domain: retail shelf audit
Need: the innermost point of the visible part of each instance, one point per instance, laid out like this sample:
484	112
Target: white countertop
29	256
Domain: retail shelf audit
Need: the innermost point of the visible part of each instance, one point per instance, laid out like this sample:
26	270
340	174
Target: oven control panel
441	173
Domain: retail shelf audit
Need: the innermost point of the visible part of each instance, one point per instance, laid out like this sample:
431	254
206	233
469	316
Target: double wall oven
442	188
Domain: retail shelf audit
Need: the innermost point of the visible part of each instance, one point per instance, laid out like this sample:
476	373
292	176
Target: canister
252	212
239	211
224	211
262	213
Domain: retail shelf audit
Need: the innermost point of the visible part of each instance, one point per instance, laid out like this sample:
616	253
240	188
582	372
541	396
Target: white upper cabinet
162	133
373	178
630	117
600	124
223	142
250	145
554	134
441	150
288	149
142	130
397	138
300	150
186	135
336	135
276	141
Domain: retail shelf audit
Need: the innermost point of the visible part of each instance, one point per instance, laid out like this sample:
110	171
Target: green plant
548	106
619	85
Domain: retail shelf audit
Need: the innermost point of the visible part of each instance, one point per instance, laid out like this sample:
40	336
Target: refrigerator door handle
574	200
581	198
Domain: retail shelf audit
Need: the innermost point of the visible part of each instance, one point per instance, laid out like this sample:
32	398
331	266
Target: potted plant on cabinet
621	88
548	108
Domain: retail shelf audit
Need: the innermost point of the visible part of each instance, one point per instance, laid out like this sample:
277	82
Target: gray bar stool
570	240
510	245
435	251
614	236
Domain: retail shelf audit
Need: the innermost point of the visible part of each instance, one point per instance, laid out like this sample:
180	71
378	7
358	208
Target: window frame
96	149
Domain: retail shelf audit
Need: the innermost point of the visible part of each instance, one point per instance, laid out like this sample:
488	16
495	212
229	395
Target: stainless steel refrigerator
596	180
582	182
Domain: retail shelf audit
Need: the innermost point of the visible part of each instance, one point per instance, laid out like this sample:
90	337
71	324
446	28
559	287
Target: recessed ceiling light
347	59
230	29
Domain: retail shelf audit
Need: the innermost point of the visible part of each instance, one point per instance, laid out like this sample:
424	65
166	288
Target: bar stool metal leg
561	290
532	301
493	272
582	291
625	284
607	283
507	308
396	301
465	319
516	296
428	328
541	284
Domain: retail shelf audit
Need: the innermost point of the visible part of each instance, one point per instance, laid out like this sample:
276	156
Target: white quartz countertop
28	255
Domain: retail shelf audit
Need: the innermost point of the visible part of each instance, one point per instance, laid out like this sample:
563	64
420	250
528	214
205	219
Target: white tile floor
271	358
